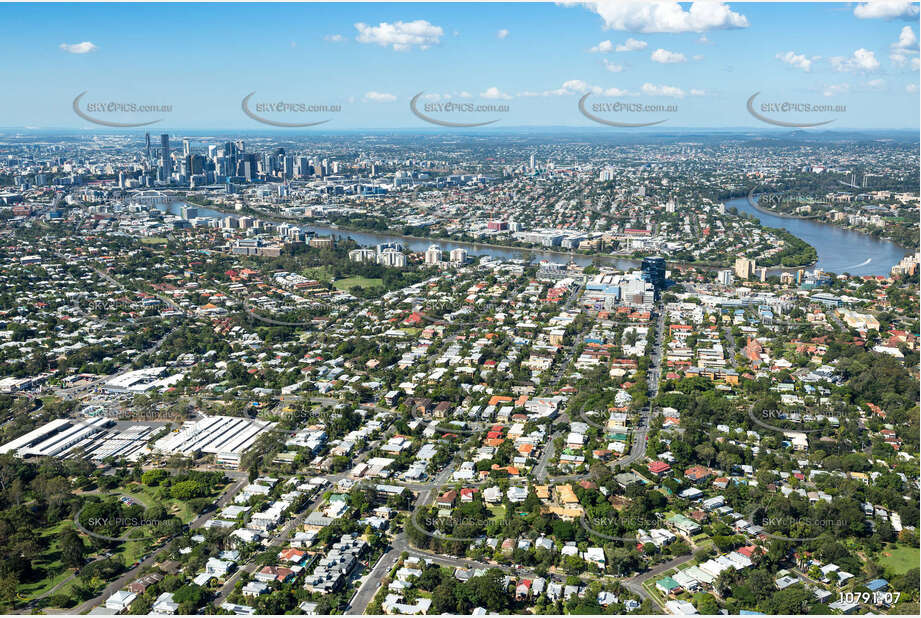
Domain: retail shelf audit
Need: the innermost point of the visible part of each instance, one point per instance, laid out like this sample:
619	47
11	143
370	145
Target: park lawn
50	560
318	273
148	496
349	282
498	513
901	558
704	543
133	550
154	240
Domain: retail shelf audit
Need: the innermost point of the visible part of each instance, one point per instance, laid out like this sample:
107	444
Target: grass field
148	496
350	282
318	273
154	240
899	559
50	561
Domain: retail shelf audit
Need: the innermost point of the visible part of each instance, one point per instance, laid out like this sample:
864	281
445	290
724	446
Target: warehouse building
217	435
56	437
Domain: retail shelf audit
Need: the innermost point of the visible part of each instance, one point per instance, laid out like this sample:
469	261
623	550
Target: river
370	239
839	250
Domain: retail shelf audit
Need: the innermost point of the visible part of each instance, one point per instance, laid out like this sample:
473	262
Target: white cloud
402	36
502	33
602	48
334	38
667	16
577	86
860	60
900	59
379	97
465	95
833	89
574	86
911	88
662	91
78	48
703	40
631	45
663	56
907	39
696	92
615	92
876	84
799	61
887	9
906	46
611	66
494	93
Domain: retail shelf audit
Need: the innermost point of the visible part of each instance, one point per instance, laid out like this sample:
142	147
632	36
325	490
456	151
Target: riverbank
818	219
477	246
777	214
839	250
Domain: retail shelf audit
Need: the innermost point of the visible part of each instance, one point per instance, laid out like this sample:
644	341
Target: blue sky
536	58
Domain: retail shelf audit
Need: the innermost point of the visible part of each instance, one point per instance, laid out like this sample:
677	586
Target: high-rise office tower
302	168
165	161
654	271
186	147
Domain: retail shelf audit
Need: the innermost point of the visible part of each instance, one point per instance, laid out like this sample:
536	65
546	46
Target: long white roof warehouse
214	434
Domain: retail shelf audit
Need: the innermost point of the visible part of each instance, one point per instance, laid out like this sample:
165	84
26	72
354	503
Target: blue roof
877	584
749	612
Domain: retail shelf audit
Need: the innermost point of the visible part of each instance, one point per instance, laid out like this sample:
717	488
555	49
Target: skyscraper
654	271
165	161
744	267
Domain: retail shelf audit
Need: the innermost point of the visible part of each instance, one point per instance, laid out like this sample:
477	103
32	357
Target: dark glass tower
654	271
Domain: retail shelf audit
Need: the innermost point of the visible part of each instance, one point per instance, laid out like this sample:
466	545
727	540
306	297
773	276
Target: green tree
72	548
